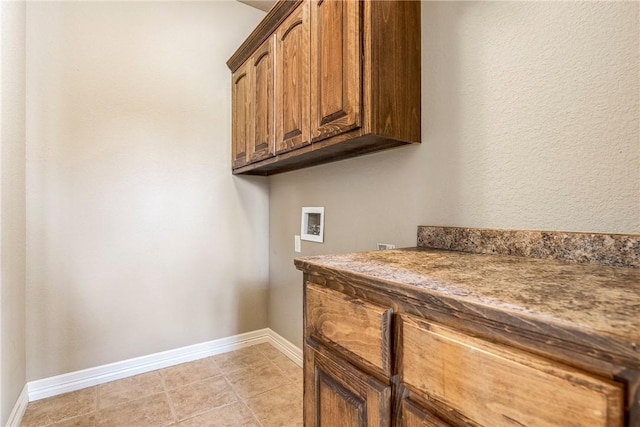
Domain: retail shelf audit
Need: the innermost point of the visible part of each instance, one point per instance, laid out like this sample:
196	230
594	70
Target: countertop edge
599	344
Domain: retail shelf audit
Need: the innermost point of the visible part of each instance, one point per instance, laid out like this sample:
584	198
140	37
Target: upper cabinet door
292	71
336	52
242	115
262	77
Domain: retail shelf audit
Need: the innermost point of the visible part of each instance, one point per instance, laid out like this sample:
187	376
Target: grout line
233	390
283	372
210	410
190	382
66	419
97	400
213	362
255	417
166	392
171	407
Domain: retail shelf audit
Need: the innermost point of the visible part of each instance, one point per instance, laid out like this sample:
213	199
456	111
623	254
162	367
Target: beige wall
530	120
141	241
12	205
139	238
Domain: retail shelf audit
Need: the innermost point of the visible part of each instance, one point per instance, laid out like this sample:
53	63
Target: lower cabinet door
338	394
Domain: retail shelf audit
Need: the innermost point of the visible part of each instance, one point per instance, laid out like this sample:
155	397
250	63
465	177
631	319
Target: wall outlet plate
384	246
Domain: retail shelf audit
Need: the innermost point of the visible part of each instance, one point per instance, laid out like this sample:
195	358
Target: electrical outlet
296	243
383	246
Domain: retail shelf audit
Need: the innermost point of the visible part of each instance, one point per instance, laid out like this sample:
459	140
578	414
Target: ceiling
259	4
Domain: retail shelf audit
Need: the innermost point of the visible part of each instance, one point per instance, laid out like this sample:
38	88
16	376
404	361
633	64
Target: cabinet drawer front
494	385
359	327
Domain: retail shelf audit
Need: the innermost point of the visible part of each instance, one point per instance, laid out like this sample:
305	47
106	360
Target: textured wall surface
139	238
530	120
12	205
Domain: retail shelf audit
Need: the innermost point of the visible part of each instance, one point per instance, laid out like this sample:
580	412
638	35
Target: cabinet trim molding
265	28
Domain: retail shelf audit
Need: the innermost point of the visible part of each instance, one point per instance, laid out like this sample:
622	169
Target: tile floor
254	386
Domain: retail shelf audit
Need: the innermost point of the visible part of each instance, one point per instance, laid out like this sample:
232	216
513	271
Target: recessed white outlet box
383	246
312	224
296	243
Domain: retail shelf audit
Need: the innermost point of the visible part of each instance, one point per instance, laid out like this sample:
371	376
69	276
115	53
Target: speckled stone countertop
616	250
595	299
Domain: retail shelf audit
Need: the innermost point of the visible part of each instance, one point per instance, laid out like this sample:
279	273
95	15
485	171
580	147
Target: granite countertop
595	299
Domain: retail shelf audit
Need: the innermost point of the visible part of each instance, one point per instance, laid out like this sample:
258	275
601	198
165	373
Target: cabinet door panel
336	51
495	386
262	74
338	394
293	98
336	402
413	415
242	115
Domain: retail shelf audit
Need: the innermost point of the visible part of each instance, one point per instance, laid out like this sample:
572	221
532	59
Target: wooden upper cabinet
292	77
347	81
242	117
262	78
336	51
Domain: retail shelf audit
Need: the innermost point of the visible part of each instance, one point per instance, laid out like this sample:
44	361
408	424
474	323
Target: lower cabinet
341	395
493	384
372	361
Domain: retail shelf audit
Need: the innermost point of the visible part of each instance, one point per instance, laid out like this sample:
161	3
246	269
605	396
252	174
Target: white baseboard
15	417
72	381
291	351
65	383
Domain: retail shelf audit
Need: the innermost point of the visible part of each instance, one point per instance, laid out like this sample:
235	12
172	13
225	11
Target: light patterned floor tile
58	408
200	397
150	411
205	392
128	389
186	373
288	402
268	350
256	379
236	414
87	420
240	359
